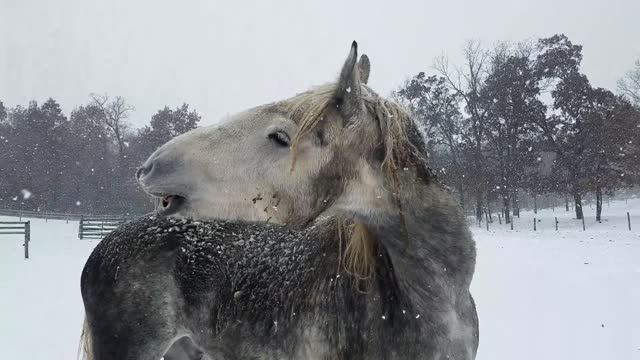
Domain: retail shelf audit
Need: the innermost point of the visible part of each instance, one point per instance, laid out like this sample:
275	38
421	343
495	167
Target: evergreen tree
510	96
91	163
167	124
36	155
559	61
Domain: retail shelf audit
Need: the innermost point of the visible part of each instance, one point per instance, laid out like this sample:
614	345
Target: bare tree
467	82
629	85
436	110
115	112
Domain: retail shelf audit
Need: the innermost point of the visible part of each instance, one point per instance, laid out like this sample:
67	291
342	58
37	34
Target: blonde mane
308	109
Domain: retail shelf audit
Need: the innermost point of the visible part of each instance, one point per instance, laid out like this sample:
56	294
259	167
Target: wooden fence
98	227
18	228
45	215
536	221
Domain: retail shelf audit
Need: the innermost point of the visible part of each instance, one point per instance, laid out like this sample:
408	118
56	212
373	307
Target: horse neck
427	240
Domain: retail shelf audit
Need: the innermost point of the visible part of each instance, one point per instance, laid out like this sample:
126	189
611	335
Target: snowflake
26	194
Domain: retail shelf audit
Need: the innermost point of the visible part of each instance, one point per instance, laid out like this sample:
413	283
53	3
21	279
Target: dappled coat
248	290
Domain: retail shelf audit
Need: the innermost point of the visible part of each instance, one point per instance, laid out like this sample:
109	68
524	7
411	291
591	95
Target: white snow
40	306
26	194
569	294
540	295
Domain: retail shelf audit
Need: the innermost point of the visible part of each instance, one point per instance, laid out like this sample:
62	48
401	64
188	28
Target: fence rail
49	215
98	227
537	222
18	228
90	227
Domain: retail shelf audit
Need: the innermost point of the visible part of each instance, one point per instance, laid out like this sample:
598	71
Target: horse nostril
144	170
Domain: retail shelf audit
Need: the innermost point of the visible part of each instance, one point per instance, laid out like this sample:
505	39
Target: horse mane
403	148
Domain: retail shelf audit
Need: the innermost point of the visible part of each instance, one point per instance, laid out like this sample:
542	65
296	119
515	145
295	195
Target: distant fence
47	215
487	220
98	227
90	227
18	228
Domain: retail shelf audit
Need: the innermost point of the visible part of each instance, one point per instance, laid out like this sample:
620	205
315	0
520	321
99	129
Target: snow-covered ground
569	294
540	295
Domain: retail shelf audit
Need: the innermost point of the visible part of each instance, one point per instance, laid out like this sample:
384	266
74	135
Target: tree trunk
566	202
489	210
535	204
479	208
506	203
577	197
598	203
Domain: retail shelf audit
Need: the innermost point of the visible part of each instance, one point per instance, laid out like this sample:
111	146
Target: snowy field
540	295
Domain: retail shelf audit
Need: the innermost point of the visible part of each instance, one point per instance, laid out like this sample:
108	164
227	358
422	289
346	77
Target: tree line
510	121
521	119
83	163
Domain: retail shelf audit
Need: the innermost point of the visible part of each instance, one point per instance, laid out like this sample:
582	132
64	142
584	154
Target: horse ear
348	90
364	65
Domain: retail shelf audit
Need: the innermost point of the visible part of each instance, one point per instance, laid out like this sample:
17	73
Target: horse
308	228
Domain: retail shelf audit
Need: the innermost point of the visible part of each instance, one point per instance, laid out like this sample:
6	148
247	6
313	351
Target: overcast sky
224	56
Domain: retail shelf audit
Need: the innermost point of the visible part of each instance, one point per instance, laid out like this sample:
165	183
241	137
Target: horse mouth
170	204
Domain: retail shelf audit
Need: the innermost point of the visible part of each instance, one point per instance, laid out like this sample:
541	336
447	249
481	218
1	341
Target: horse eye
281	138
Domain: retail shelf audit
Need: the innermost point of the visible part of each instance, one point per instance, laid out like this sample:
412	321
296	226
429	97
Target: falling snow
26	194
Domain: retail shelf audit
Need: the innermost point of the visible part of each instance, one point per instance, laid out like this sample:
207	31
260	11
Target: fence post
583	228
511	223
27	238
80	228
500	218
629	220
556	224
518	213
534	224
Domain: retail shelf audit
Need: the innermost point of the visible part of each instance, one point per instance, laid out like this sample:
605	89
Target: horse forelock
309	109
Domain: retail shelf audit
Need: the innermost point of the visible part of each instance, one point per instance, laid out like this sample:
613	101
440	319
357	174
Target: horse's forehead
253	118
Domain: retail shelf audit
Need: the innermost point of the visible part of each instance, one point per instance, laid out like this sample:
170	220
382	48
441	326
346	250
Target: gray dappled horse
375	260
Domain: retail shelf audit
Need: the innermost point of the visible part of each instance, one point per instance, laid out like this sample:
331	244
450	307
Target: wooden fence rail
18	228
48	215
538	224
98	227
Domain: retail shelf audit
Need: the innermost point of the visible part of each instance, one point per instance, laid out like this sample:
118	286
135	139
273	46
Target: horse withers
324	235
